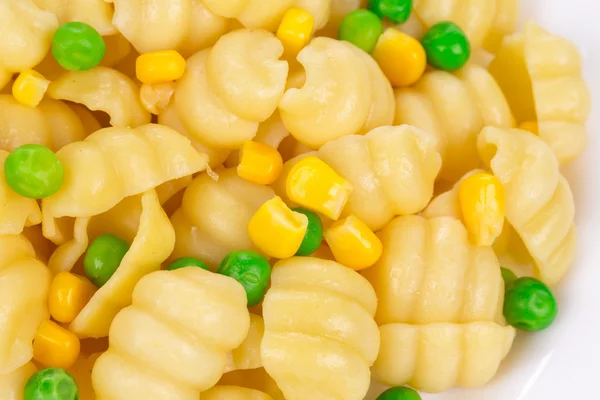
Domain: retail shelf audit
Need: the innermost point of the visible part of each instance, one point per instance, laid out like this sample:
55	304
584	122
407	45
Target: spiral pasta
541	75
539	202
477	101
12	384
24	283
214	215
317	310
172	342
96	13
234	393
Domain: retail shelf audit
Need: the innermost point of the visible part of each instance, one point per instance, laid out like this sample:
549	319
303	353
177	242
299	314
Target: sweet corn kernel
276	230
530	126
401	57
69	293
29	88
295	30
315	185
353	244
481	198
156	98
55	346
259	163
159	67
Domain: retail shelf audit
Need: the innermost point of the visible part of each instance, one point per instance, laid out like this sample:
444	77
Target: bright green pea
314	233
186	262
529	305
77	46
399	393
51	384
362	28
396	11
508	276
103	257
251	270
33	171
446	46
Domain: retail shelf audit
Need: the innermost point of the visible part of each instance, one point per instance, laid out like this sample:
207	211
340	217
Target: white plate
563	362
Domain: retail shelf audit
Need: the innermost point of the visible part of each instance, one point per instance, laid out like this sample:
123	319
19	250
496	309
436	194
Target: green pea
314	233
396	11
103	257
446	46
77	46
362	28
508	276
529	305
399	393
251	270
186	262
51	384
33	171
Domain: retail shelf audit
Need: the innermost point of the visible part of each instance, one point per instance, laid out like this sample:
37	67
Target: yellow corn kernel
352	243
30	87
401	57
55	346
276	230
259	163
69	293
315	185
295	30
481	199
530	126
159	67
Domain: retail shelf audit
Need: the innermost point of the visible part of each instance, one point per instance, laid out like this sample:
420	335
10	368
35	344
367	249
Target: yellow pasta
319	310
172	342
257	379
82	373
505	22
234	393
12	383
96	13
539	202
247	354
541	76
204	29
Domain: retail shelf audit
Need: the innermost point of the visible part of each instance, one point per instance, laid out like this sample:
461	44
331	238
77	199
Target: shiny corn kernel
159	67
259	163
29	88
156	98
401	57
55	346
353	244
276	230
481	199
69	293
315	185
530	126
295	30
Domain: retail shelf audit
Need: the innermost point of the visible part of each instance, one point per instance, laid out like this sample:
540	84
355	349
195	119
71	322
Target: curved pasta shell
214	216
320	10
96	13
338	10
256	379
544	83
172	342
103	89
539	202
24	283
234	393
437	357
204	29
319	310
506	20
12	383
247	354
81	372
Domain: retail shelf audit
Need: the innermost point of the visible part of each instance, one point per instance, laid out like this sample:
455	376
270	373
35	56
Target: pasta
11	384
181	324
244	89
247	354
96	13
208	223
234	393
316	310
24	283
539	202
257	379
477	102
545	85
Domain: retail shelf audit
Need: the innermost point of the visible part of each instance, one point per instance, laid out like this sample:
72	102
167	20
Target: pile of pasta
405	288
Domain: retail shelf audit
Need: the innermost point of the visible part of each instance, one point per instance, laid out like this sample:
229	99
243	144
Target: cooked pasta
234	393
257	379
96	13
11	384
247	354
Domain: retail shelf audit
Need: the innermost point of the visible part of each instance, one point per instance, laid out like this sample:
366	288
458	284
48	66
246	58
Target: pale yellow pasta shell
204	29
172	342
319	9
338	10
234	393
506	19
97	13
257	379
12	383
247	354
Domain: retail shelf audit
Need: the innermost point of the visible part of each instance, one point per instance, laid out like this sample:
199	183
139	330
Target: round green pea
396	11
399	393
447	47
529	305
508	276
103	257
77	46
314	233
33	171
251	270
51	384
362	28
186	262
